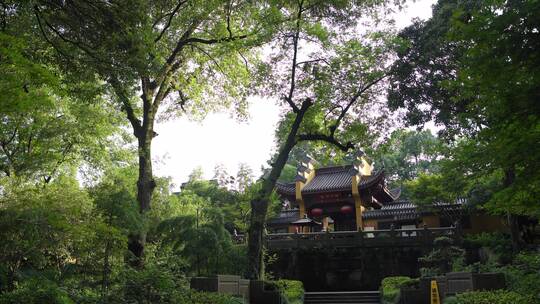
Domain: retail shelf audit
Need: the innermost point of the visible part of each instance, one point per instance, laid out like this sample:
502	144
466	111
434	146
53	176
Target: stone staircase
342	297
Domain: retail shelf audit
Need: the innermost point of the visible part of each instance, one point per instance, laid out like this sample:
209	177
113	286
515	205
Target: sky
183	145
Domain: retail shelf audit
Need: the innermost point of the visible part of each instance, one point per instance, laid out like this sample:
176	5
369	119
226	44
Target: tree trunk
145	188
106	266
259	206
515	233
259	209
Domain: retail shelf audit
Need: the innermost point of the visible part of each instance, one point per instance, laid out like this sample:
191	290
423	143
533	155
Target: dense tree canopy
157	58
480	81
71	72
47	120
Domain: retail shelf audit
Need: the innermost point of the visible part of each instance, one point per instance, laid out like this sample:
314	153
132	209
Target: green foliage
471	68
499	244
492	297
40	227
450	300
36	291
390	288
522	271
439	260
45	123
197	297
427	189
408	154
293	290
195	232
151	285
523	274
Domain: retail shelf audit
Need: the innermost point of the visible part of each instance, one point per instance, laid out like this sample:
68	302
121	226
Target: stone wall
345	269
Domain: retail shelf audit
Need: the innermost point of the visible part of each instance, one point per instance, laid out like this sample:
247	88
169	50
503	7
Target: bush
492	297
451	300
498	243
439	261
292	290
198	297
36	292
523	274
151	285
390	287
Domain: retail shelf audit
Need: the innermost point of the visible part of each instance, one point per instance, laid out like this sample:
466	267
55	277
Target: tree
244	177
407	154
479	78
156	55
42	123
53	231
324	91
222	177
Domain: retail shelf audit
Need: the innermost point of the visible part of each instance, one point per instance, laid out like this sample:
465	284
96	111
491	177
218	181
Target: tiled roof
306	222
395	193
329	179
402	210
398	210
284	217
338	179
286	188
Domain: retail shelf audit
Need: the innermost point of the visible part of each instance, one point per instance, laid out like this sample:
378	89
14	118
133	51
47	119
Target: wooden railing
374	238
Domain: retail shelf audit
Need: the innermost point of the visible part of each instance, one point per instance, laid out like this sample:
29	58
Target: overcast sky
183	145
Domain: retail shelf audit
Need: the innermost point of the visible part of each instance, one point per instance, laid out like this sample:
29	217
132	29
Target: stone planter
452	283
229	284
458	282
258	293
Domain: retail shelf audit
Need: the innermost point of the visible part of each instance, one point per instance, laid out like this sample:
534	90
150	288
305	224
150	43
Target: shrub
439	261
523	274
151	285
36	292
451	300
390	287
198	297
292	290
493	297
498	243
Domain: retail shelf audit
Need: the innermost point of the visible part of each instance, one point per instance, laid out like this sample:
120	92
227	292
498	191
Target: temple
342	228
355	197
333	198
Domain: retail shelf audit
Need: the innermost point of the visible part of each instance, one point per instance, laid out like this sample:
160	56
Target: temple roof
306	221
284	217
330	179
405	210
285	188
400	210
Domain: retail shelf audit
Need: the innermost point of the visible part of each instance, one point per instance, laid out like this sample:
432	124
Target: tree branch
36	12
171	16
216	63
214	41
229	19
313	60
326	138
292	104
344	111
127	106
289	98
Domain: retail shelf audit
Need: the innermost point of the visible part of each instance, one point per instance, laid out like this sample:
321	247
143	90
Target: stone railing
373	238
